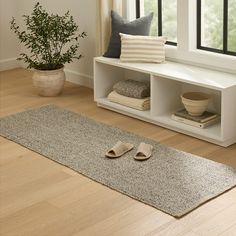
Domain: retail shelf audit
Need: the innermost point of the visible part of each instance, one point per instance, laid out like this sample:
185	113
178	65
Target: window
216	26
165	17
179	21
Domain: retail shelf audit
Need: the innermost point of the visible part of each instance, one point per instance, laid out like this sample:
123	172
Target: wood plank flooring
40	197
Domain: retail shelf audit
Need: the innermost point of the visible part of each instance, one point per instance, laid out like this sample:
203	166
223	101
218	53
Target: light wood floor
40	197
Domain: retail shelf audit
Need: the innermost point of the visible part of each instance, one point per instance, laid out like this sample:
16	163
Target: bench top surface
179	72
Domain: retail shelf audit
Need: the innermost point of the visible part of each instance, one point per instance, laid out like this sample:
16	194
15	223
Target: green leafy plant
52	40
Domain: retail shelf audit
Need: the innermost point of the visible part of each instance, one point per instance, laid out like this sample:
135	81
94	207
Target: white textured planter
49	82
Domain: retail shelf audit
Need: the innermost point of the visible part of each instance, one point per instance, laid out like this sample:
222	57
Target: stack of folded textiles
131	93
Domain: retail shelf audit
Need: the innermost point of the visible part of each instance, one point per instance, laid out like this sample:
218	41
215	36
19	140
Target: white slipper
144	152
119	149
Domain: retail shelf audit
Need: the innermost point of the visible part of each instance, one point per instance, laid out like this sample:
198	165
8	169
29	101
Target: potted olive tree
52	41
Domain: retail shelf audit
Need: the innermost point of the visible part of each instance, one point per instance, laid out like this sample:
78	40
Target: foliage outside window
232	26
165	17
216	24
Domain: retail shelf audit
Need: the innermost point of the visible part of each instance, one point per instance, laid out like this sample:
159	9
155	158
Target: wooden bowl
195	102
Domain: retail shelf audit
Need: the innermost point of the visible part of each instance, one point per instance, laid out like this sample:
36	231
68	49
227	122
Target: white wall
84	13
9	46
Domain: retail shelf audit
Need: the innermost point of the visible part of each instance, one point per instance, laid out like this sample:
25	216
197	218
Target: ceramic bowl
195	102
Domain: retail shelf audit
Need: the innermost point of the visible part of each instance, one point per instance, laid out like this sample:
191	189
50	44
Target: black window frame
225	30
159	15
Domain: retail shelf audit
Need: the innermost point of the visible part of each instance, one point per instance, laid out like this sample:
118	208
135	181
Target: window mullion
137	8
159	2
225	26
199	24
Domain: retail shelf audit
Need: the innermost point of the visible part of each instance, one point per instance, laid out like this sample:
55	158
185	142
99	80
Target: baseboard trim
79	78
71	76
8	64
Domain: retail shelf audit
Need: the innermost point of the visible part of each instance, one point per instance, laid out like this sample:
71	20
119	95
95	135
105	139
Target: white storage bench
168	81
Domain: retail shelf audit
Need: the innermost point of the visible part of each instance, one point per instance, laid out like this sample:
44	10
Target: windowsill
213	54
206	59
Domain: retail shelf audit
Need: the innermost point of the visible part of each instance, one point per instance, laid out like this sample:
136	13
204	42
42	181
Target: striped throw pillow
137	48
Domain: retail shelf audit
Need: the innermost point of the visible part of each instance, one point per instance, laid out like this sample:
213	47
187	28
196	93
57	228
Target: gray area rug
172	181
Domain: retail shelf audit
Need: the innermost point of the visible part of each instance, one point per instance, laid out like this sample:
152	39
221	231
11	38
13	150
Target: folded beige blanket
136	103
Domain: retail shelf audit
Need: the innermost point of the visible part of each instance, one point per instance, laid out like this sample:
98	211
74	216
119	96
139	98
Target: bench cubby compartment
168	81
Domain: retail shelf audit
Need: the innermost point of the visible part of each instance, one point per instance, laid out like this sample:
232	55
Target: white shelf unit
168	81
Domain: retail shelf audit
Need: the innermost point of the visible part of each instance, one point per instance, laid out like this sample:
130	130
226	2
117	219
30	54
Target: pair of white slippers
144	150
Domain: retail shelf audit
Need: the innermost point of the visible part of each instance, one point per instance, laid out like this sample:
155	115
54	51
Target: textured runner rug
172	181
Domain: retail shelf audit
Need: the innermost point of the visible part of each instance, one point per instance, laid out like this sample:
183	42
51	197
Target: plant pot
49	83
195	102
